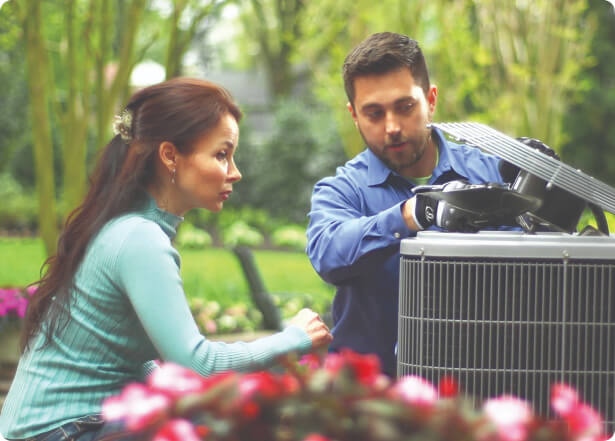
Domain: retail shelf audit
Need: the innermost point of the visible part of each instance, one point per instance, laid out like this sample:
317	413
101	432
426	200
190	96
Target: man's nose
392	124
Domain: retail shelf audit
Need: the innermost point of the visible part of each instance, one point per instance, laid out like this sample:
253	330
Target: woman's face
204	178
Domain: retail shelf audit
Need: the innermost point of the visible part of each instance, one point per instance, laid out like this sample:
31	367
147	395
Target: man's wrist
424	211
414	209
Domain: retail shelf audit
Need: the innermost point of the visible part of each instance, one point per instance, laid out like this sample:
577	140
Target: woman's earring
173	176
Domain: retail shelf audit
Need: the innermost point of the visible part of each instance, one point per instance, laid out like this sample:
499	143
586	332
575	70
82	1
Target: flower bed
13	304
341	397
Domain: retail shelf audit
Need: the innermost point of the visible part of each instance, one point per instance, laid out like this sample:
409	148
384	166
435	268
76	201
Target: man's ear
432	98
353	113
167	152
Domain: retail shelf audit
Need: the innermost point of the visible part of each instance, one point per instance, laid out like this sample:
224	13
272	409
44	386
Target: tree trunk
37	76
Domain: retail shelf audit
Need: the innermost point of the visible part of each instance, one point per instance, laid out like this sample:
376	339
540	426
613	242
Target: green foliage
240	233
190	236
19	209
290	236
279	175
15	131
590	141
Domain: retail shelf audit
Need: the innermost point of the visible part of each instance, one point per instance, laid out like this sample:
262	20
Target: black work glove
429	211
509	171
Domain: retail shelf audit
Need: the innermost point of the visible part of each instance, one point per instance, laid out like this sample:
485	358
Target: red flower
448	387
366	368
290	384
249	410
263	384
137	406
177	430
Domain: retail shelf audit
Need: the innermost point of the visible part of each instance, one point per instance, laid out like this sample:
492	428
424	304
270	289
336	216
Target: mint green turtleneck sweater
129	309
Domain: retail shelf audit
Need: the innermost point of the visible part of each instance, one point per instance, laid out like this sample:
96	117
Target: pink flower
415	390
30	290
315	437
137	406
11	300
583	422
210	326
312	361
21	307
175	380
263	384
177	430
511	417
564	399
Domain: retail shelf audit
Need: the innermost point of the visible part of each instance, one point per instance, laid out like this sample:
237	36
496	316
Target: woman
112	299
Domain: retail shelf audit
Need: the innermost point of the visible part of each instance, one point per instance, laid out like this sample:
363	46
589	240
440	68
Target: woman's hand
311	323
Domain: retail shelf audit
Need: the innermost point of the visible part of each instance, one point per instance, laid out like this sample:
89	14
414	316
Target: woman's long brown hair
179	111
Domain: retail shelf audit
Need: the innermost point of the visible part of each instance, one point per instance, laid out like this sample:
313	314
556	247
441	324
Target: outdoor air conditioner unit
511	313
515	312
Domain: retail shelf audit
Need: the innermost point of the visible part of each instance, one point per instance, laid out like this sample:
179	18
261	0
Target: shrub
190	236
240	233
291	237
343	397
19	209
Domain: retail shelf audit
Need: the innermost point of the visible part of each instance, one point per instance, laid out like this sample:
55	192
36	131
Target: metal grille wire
549	169
511	327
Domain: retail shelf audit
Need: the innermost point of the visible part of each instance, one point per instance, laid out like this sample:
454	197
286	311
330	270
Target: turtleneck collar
169	222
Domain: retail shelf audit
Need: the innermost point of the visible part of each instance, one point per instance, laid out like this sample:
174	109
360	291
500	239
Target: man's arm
343	241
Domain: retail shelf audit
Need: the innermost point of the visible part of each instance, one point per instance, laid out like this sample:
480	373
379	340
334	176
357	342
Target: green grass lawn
211	274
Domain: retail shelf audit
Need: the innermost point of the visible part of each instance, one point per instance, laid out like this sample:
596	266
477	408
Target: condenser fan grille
545	167
510	322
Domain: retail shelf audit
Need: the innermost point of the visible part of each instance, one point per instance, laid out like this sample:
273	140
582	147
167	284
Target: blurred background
541	68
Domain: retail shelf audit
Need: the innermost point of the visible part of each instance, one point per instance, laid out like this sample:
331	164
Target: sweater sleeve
148	272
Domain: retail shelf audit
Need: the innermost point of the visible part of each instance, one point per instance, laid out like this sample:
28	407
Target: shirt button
396	235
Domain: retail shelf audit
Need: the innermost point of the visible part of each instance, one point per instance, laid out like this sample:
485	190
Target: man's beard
417	149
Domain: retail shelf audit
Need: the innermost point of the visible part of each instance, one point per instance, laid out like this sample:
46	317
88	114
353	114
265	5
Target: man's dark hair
382	53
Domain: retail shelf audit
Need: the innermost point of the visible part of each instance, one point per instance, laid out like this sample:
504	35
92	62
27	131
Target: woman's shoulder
132	229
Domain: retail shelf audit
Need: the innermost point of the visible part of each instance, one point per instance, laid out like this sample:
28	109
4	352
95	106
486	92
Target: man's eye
375	114
405	108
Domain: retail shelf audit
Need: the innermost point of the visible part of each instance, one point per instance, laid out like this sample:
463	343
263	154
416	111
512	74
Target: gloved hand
509	171
429	211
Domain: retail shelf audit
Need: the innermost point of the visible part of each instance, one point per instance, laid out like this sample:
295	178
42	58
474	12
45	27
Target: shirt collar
378	172
448	161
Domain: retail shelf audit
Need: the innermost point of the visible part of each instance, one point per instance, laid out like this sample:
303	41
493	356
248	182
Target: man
359	216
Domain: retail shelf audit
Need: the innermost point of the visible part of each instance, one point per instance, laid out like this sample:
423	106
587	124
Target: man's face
391	112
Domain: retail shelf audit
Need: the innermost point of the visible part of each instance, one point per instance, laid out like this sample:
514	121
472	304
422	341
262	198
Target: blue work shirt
354	235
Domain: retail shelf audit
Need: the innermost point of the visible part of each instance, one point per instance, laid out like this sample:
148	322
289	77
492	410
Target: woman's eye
222	155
